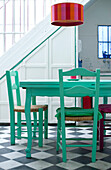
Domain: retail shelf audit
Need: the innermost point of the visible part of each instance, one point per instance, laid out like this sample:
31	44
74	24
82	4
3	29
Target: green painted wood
77	91
11	103
28	120
18	102
58	135
81	72
50	88
14	86
40	127
46	124
35	117
79	145
79	138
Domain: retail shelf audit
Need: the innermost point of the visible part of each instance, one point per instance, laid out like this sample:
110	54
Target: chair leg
58	134
35	123
98	131
101	141
35	117
19	125
63	141
94	142
40	127
12	127
46	124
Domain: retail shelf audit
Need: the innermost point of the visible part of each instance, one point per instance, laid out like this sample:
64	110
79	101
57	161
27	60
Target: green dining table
50	88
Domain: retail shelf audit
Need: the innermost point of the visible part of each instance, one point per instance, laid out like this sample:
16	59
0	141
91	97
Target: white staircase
27	44
38	55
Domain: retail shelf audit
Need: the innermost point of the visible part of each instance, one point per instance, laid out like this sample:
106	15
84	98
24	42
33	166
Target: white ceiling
84	2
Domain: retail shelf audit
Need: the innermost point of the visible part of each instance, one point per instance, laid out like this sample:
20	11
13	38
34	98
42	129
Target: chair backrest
79	90
13	84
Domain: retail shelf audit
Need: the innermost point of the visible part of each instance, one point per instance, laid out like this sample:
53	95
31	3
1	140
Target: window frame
108	56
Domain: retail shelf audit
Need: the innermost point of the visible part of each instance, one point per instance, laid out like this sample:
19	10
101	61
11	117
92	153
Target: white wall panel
36	73
3	91
39	56
62	47
57	52
36	66
61	55
55	73
4	112
4	104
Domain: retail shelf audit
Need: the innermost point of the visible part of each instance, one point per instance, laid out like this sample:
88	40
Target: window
104	41
19	16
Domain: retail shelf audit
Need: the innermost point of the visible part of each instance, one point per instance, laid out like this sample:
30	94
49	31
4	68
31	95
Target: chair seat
34	108
82	118
77	114
106	108
38	120
65	113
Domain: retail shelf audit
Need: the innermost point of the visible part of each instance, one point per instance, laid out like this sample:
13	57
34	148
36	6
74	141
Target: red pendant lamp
67	14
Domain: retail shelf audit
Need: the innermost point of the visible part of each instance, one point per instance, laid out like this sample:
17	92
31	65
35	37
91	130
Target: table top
68	82
50	88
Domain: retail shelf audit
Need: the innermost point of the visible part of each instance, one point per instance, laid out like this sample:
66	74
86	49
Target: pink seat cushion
105	108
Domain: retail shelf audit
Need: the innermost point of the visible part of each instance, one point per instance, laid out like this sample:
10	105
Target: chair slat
81	72
13	73
79	91
14	86
74	113
38	111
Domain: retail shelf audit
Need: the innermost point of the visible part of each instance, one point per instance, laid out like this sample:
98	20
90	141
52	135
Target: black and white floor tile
13	156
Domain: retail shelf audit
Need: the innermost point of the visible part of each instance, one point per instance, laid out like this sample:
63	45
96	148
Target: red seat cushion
106	108
87	102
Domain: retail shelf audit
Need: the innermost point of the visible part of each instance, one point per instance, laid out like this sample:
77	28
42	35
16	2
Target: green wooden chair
17	129
77	113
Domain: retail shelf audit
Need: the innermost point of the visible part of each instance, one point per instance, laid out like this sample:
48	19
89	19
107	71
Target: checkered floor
13	157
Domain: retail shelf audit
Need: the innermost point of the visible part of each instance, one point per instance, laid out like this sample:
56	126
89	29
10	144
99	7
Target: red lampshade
67	14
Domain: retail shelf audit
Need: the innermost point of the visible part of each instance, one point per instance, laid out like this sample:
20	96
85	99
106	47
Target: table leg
34	116
28	121
105	99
